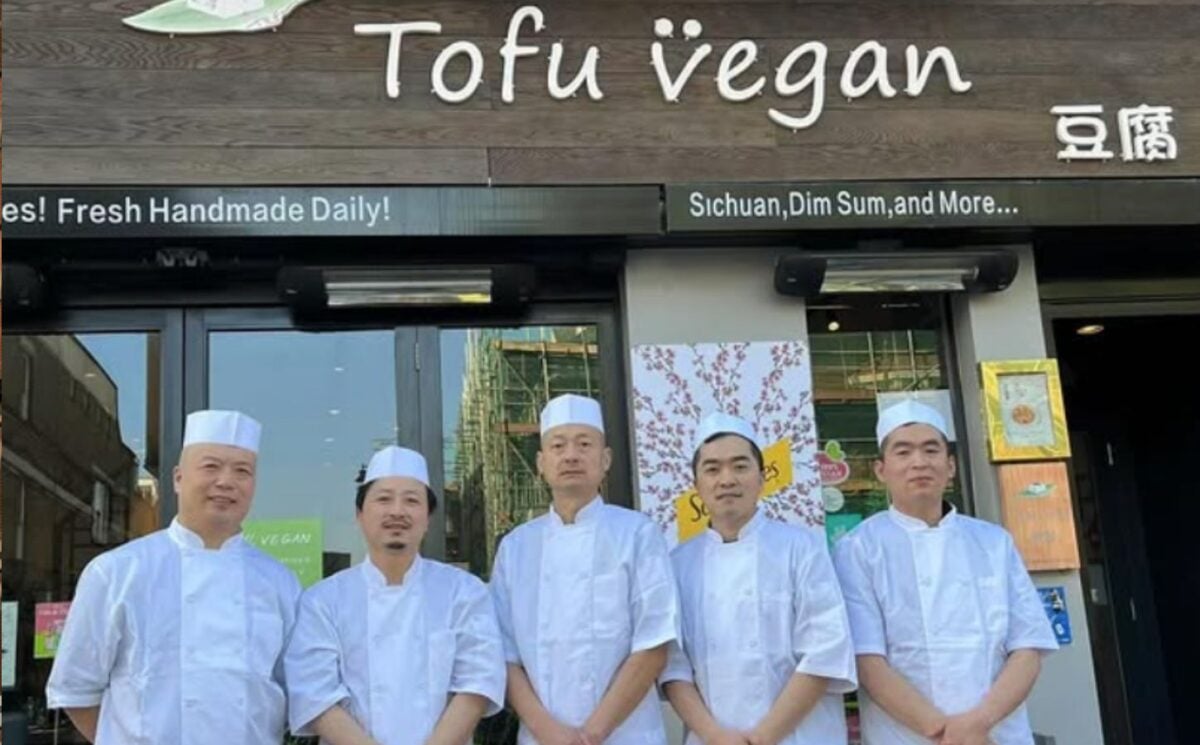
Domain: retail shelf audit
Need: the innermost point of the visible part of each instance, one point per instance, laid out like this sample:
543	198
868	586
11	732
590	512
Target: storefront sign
8	629
802	70
48	622
297	544
333	211
31	212
1145	133
865	204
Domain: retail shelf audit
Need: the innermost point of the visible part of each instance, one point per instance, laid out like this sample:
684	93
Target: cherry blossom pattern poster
768	384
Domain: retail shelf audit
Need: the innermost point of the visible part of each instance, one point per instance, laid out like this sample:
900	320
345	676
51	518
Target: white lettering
953	203
806	204
474	74
815	77
878	77
865	70
736	60
395	33
672	88
587	72
918	74
873	205
512	50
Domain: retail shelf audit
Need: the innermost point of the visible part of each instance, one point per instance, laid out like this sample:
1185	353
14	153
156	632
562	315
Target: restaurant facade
367	221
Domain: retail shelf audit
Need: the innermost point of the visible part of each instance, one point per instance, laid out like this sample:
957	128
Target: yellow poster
690	513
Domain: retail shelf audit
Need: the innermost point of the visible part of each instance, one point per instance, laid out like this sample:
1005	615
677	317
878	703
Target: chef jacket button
754	645
925	582
191	703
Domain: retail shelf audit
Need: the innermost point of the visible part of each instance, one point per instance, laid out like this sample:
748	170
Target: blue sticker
1054	600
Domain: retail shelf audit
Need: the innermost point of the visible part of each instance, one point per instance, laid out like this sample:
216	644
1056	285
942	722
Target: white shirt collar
587	513
910	523
752	525
186	538
376	580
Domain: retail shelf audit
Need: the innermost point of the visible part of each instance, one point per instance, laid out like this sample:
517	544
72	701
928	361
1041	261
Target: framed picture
1023	406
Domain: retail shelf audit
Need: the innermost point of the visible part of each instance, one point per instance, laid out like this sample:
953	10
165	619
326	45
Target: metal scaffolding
509	376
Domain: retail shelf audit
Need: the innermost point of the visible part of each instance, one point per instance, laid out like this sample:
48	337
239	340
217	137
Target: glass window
326	401
864	354
494	385
80	476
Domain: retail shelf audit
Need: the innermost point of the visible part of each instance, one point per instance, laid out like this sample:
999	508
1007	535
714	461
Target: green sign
297	544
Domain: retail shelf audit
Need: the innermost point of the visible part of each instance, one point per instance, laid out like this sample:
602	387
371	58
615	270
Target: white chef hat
908	411
720	423
572	409
397	461
214	427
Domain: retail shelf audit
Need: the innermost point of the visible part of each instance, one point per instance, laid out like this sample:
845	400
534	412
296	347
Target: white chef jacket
756	612
177	643
574	601
945	605
393	655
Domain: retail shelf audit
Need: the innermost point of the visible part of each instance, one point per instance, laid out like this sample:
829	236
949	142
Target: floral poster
768	384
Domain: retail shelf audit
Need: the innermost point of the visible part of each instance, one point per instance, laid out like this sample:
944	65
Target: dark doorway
1133	402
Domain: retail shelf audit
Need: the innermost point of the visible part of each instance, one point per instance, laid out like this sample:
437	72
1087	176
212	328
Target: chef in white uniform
177	637
948	627
399	650
766	654
585	599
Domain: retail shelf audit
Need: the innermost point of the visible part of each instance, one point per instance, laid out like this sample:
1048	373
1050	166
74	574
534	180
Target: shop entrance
94	403
1134	412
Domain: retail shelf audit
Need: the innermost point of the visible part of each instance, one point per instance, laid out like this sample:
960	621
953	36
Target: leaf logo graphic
192	17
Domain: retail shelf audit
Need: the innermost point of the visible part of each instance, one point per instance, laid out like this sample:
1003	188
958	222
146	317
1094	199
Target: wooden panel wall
90	101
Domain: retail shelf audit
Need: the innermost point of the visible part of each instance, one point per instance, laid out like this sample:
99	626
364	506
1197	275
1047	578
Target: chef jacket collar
910	523
587	513
751	527
376	580
186	538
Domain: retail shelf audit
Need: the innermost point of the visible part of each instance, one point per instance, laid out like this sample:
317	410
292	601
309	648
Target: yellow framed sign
1023	407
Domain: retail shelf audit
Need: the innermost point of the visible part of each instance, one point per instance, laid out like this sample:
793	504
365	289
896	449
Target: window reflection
864	354
80	476
326	402
494	385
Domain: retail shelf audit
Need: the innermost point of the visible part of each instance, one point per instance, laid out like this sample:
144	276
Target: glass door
467	397
87	411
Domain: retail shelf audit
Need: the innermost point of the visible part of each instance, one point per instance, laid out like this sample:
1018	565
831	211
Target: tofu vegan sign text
803	70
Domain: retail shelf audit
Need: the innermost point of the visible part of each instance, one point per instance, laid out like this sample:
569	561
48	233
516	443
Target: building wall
656	293
91	101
